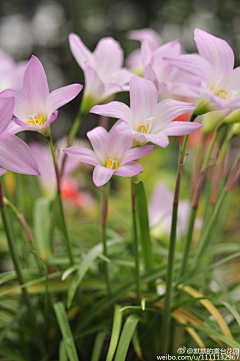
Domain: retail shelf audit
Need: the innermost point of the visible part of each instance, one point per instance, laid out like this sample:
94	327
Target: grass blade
126	336
97	348
117	323
62	351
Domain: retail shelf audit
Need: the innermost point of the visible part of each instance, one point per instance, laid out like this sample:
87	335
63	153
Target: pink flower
11	74
15	154
35	108
111	154
147	120
104	75
214	66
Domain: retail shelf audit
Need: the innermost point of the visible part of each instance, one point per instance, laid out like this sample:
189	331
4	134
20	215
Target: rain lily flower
220	86
11	74
104	75
35	109
147	120
111	154
15	154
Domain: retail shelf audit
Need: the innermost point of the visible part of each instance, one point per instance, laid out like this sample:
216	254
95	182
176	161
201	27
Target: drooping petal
160	139
2	171
62	96
129	169
84	155
16	155
166	111
193	64
101	175
180	128
115	110
217	52
23	107
143	98
6	111
119	144
108	57
136	153
99	139
35	86
79	50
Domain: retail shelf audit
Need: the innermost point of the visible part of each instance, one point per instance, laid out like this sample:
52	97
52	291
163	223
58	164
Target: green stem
185	142
17	266
224	148
213	141
135	242
60	202
104	239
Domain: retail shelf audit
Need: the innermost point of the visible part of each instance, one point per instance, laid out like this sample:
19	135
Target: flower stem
135	242
17	266
213	141
185	142
60	202
170	266
75	126
104	240
224	148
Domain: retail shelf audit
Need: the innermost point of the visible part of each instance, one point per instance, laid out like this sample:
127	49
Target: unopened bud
212	119
235	130
233	117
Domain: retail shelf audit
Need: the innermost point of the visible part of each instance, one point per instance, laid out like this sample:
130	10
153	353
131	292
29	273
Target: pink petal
160	139
94	86
119	144
108	57
146	34
115	110
22	126
62	96
136	153
79	50
101	175
23	107
193	64
143	98
129	169
16	155
99	139
2	171
217	52
51	119
82	154
121	76
35	86
14	128
127	130
6	111
180	128
166	111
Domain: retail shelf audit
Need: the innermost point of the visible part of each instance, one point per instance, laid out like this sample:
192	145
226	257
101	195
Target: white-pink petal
129	169
2	171
159	139
6	111
136	153
79	50
99	139
84	155
22	108
94	86
180	128
101	175
61	96
115	110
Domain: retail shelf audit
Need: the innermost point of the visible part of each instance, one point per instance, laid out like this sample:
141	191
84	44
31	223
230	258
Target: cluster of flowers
208	77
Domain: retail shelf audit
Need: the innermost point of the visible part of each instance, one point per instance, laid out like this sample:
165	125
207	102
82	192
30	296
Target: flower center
112	163
222	94
143	129
146	128
35	121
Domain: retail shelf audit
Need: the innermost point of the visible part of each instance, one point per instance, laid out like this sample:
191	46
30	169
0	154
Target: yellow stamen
111	163
35	121
222	94
142	127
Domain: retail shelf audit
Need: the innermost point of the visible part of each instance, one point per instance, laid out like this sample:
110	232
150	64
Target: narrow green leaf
11	355
136	345
142	214
62	351
84	266
126	336
69	271
42	226
97	348
117	324
66	331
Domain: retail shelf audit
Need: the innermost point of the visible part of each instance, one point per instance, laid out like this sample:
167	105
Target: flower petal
143	98
159	139
16	155
6	111
119	144
146	34
129	169
115	110
2	171
193	64
84	155
51	119
62	96
107	63
101	175
35	86
94	86
14	128
79	50
166	111
180	128
23	107
136	153
99	139
217	52
127	130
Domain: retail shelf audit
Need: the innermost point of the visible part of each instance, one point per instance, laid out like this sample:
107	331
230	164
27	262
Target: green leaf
126	336
42	226
136	345
84	266
117	323
142	214
11	355
97	348
62	351
66	331
69	271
